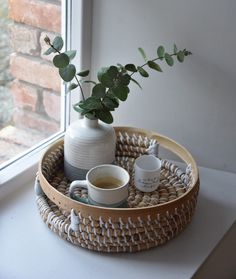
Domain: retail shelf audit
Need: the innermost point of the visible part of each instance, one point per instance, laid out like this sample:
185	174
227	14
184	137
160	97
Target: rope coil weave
169	212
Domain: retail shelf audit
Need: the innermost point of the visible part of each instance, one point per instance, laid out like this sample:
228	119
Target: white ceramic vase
87	143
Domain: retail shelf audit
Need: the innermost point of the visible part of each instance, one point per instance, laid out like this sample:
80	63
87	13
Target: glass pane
29	84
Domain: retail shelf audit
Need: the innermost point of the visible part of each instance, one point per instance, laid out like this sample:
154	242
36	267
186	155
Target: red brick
24	39
35	71
36	13
24	95
35	121
52	103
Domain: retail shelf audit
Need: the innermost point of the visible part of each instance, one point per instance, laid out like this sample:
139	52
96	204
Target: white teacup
147	170
107	186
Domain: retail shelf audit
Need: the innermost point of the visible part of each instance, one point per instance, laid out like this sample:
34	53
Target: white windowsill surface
28	249
20	170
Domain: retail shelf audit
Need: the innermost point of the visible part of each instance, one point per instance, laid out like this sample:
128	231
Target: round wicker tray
150	219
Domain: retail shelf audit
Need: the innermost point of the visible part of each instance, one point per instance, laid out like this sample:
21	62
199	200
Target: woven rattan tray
151	219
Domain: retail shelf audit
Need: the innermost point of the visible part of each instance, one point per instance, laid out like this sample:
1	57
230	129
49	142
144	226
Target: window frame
22	168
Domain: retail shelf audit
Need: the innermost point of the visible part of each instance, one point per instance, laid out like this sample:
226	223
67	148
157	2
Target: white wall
194	102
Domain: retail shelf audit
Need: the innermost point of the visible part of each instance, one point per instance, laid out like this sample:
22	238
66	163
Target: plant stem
54	48
81	89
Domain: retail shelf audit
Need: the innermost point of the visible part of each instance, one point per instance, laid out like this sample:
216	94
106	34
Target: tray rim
124	214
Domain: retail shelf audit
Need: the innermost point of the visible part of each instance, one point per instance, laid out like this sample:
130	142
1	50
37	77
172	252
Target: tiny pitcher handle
78	184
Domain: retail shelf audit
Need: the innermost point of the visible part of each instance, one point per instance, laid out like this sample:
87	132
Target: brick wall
36	84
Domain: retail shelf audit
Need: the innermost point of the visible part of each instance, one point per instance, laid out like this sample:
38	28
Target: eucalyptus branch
48	42
113	84
153	60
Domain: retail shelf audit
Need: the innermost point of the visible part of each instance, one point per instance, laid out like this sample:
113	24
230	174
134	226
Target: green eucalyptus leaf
131	68
169	59
121	67
90	115
112	71
107	80
88	81
104	115
161	52
67	73
141	50
49	51
142	72
101	72
61	60
121	92
180	56
77	107
83	73
135	81
99	91
91	103
124	79
154	65
72	86
110	95
71	54
58	43
175	49
110	103
116	101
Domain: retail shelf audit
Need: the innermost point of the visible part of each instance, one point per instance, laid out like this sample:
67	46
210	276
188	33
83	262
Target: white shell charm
188	174
153	149
74	221
37	187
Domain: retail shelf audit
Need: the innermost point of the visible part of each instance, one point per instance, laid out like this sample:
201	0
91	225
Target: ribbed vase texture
87	143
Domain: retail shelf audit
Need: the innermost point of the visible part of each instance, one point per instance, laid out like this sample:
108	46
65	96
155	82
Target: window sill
22	170
38	252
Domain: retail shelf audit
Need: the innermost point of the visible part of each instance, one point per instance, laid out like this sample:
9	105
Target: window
30	91
36	110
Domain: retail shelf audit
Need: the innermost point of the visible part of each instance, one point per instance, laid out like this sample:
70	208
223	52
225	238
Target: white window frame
76	30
